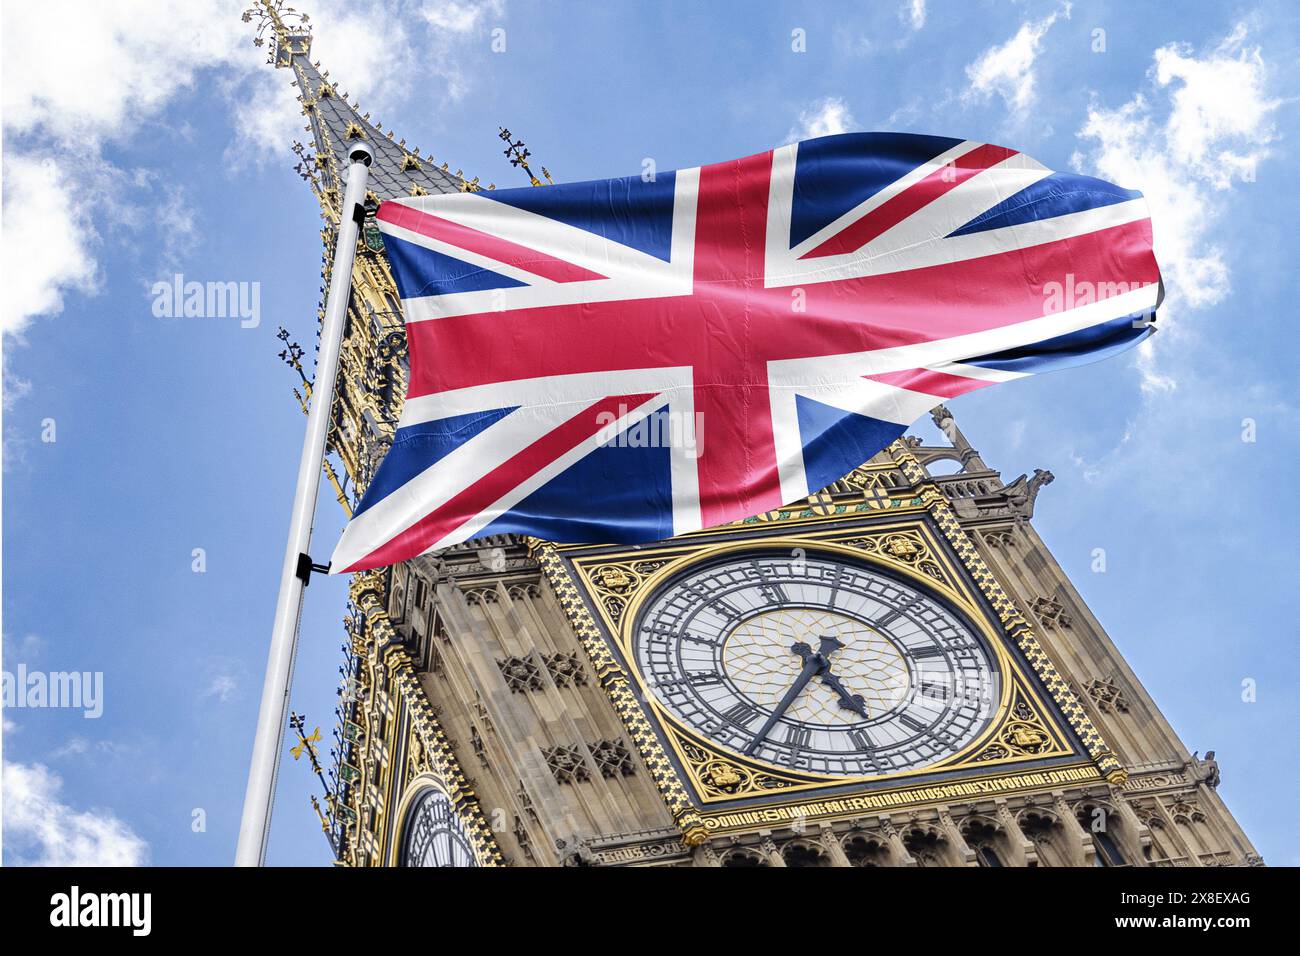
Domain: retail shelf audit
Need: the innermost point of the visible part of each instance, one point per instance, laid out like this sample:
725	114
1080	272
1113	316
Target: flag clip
306	566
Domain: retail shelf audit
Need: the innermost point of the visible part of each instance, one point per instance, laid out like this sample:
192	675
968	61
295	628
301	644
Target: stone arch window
926	845
743	856
1044	831
864	850
801	853
987	839
1101	820
1192	823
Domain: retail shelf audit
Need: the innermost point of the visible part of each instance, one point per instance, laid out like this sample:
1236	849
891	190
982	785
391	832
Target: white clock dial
817	665
435	835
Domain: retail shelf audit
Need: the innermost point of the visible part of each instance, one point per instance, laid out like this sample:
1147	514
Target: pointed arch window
1108	853
985	855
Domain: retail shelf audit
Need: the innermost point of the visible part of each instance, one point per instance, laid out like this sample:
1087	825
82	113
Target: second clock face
816	665
434	834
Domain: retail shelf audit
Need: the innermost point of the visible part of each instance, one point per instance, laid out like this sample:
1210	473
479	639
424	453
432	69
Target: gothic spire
334	121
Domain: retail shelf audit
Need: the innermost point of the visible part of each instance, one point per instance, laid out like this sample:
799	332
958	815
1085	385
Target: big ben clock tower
893	672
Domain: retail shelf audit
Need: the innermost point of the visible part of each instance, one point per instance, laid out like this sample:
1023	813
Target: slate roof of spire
334	123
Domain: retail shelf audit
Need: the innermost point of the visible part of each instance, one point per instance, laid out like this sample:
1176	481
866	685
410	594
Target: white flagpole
262	774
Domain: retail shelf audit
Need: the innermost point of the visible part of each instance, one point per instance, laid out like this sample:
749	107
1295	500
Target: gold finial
518	155
305	744
290	29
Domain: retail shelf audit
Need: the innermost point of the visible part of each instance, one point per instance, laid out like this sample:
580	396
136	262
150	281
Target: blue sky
142	140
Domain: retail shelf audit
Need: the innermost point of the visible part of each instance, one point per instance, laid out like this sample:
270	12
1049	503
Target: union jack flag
628	359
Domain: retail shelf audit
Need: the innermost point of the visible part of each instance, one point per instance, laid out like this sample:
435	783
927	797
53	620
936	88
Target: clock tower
892	672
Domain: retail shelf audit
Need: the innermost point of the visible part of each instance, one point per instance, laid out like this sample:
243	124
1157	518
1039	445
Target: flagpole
260	794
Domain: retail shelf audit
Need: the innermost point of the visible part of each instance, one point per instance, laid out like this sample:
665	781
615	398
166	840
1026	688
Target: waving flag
625	360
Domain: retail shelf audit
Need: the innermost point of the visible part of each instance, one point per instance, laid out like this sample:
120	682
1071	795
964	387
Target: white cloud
463	16
222	678
1008	69
41	830
47	241
222	687
913	13
74	747
26	648
1201	125
118	62
826	117
112	77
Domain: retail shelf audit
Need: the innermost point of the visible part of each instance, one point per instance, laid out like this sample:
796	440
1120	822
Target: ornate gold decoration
615	583
723	778
1023	733
305	743
903	547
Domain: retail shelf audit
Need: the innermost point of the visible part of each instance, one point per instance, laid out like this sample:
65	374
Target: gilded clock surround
1038	722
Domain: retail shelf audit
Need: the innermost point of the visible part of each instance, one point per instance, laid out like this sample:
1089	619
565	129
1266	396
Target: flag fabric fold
628	359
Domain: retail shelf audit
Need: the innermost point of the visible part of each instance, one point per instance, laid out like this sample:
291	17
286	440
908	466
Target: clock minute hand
813	664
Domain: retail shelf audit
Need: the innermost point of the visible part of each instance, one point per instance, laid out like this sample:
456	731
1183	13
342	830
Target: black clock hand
812	665
853	702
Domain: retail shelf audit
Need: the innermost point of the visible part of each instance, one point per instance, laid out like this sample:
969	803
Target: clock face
816	665
434	834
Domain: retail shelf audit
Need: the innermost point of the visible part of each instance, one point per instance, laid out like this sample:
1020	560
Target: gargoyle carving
1020	494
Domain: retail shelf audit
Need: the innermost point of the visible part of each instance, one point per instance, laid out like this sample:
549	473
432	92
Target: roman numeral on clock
862	740
741	713
797	737
910	721
703	679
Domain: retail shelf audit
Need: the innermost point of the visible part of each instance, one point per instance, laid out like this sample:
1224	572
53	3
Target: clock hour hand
813	664
853	702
